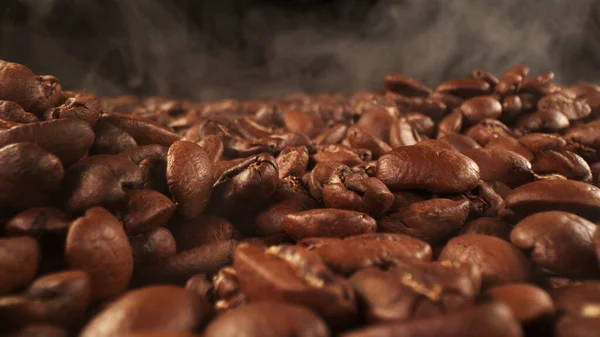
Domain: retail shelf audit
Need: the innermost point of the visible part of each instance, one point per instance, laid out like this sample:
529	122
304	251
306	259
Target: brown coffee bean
19	260
432	221
574	326
377	122
268	319
511	144
561	195
452	123
597	243
144	131
201	230
86	108
464	88
527	303
559	243
549	120
459	142
580	299
295	275
269	220
512	107
427	168
29	176
34	93
146	210
562	162
511	81
359	139
480	74
39	223
39	330
299	122
573	109
359	193
177	269
157	308
227	292
200	285
111	140
338	153
405	85
488	226
357	252
483	200
190	177
327	222
101	180
421	123
13	112
435	106
537	142
413	289
152	247
492	320
292	161
499	261
213	145
69	139
481	107
487	130
333	134
98	245
501	165
402	133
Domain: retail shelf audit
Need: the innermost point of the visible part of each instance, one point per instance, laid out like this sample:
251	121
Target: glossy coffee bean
227	291
19	260
145	132
501	165
405	85
201	230
563	162
327	222
111	140
527	303
481	107
146	210
152	247
488	226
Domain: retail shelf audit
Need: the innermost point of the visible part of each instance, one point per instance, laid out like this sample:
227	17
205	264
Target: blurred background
265	48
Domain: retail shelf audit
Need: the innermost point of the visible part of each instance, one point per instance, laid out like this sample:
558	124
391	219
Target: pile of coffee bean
469	209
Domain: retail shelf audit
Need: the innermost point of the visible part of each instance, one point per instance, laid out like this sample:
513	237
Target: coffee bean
562	195
562	162
488	226
40	223
538	142
39	330
511	144
493	320
338	153
111	140
459	142
13	112
481	107
190	177
268	319
348	255
420	167
512	106
146	210
511	81
480	74
295	275
156	308
86	108
29	175
486	130
464	88
432	220
98	245
359	193
359	139
152	247
19	260
292	162
227	292
499	261
69	139
501	165
452	123
573	109
333	134
573	326
421	123
200	285
527	303
101	180
327	222
201	230
559	243
405	85
145	132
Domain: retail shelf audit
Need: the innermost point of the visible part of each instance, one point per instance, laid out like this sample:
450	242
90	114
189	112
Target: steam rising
265	51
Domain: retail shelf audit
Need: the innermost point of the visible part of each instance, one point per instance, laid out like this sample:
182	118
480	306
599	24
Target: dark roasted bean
563	162
487	226
327	222
464	88
19	260
201	230
527	303
405	85
501	165
152	247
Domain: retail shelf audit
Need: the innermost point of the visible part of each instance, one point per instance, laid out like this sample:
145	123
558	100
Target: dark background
243	48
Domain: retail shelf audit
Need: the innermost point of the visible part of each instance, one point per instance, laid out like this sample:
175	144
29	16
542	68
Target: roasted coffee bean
464	88
421	123
98	245
511	81
585	141
487	130
69	139
559	243
40	223
574	326
488	226
580	299
563	162
402	133
540	85
201	230
19	261
432	220
295	275
405	85
511	144
359	139
480	74
146	210
573	109
29	176
538	142
13	112
200	285
348	255
268	319
301	123
39	330
177	269
427	168
327	222
493	320
597	243
292	161
101	180
339	153
561	195
167	309
480	108
549	120
333	134
414	289
227	292
499	261
501	165
144	131
452	123
213	145
459	142
358	193
111	140
527	303
85	108
152	247
190	177
512	106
